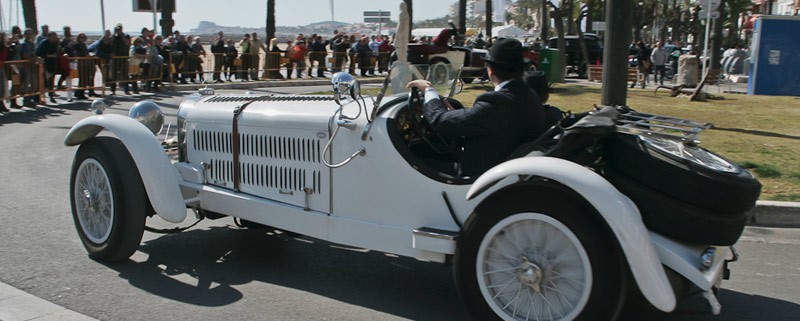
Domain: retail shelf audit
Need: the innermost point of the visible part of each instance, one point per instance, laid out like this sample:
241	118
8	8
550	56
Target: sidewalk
16	305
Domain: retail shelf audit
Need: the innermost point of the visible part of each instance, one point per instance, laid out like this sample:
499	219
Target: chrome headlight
99	106
149	114
344	83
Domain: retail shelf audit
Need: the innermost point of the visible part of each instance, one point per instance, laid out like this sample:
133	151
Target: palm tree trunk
410	6
29	11
270	20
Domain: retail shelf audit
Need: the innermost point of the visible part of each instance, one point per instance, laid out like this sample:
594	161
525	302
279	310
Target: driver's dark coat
496	124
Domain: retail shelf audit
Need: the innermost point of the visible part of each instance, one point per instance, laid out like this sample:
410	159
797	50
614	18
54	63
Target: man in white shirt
659	57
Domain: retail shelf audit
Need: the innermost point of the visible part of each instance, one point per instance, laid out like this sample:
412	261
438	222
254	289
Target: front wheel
538	262
109	204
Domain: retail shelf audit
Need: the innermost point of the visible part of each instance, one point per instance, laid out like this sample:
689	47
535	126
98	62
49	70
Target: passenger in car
498	121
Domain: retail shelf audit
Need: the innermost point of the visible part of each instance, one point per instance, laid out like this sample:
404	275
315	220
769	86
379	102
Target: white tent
508	31
426	32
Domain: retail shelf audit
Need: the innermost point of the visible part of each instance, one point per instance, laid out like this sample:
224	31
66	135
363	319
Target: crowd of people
147	60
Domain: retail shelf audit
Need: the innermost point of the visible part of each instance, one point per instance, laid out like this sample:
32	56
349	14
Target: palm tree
29	11
270	20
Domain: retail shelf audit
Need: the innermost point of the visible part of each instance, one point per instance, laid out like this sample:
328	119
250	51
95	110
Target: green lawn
761	133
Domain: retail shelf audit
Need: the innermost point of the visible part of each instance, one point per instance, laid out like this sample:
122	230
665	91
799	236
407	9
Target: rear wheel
109	204
538	262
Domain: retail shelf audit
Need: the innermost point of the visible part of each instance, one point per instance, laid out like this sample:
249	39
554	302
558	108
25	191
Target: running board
435	240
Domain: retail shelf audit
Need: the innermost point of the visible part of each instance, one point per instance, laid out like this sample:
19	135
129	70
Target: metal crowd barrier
26	79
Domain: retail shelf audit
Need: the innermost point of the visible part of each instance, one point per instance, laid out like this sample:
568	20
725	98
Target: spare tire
679	220
687	173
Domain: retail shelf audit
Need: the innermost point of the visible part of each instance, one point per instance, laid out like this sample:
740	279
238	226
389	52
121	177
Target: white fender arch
160	178
616	209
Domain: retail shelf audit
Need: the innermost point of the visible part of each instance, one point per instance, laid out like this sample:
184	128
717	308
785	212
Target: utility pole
615	58
489	21
167	6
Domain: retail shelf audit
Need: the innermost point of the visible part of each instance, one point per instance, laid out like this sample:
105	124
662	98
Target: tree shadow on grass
756	132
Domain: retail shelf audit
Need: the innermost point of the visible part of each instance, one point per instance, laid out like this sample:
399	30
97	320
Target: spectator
659	57
244	73
43	36
339	47
28	75
121	44
272	63
86	68
13	70
3	80
230	59
48	50
255	46
642	63
198	52
180	57
384	54
317	54
138	58
104	49
63	61
364	57
298	58
218	50
161	59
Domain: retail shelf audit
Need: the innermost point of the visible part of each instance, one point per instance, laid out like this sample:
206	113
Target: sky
85	15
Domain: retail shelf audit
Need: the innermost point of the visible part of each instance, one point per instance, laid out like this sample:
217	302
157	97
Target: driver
498	121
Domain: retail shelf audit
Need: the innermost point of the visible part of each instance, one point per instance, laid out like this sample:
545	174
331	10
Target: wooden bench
596	73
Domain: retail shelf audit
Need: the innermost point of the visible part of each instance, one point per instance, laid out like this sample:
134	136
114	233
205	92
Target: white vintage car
566	231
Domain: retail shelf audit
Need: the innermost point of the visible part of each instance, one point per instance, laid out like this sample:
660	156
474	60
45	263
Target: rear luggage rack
638	123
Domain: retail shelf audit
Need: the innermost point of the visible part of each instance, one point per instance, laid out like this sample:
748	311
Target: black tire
732	191
116	182
467	80
599	298
677	219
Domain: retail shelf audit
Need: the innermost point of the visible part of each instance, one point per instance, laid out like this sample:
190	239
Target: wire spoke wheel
109	202
538	253
532	267
94	201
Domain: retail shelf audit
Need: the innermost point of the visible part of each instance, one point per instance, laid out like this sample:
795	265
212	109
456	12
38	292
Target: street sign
713	3
599	25
377	19
147	6
377	13
702	14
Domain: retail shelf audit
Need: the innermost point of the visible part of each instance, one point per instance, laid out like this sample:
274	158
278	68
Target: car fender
160	178
616	209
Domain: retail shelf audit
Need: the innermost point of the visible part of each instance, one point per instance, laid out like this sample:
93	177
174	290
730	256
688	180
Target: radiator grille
281	166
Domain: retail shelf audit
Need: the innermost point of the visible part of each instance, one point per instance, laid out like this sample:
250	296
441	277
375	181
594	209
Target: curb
18	305
775	214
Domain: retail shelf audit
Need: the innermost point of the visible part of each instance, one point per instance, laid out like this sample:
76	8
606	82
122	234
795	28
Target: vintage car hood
275	111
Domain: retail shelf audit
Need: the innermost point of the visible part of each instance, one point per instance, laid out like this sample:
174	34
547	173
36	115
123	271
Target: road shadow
735	306
756	132
203	267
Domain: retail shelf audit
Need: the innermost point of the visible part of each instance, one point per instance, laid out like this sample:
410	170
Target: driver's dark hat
506	54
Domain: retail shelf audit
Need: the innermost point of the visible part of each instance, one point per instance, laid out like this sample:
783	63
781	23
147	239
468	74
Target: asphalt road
217	271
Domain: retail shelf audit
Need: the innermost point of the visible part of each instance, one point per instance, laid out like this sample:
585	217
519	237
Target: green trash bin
550	64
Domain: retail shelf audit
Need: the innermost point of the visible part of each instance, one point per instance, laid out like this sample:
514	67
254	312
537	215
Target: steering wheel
421	126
